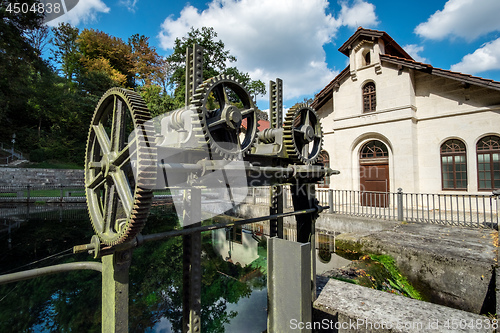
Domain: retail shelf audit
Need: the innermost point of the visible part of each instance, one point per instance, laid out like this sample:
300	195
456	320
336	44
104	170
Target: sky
298	40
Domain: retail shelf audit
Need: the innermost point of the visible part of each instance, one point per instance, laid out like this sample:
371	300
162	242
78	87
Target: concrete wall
344	307
452	266
40	177
449	265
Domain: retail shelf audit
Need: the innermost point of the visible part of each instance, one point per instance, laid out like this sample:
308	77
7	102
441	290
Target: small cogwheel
227	116
303	135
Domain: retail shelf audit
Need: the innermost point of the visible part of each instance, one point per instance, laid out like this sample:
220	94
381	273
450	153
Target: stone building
391	122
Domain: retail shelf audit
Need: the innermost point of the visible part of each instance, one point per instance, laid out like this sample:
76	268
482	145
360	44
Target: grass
162	192
377	272
53	164
46	193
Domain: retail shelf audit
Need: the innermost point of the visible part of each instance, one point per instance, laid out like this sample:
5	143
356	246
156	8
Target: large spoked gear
227	116
303	135
120	166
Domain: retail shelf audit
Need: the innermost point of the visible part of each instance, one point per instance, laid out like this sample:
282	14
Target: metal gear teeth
146	167
198	101
289	139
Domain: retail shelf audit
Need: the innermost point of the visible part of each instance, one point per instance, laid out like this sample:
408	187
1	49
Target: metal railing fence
49	193
469	210
14	154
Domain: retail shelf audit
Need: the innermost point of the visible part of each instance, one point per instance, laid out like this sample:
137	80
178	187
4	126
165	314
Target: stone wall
40	177
451	266
344	307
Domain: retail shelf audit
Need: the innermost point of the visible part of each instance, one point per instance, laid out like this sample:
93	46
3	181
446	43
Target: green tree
148	65
66	53
158	101
255	88
18	60
38	38
215	58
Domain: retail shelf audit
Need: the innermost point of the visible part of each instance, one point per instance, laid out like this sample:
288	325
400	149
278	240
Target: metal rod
190	167
37	272
433	209
181	167
470	211
159	236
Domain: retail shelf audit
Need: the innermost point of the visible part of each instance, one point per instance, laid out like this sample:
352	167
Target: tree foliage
18	59
215	60
65	53
49	104
71	302
148	65
49	109
103	53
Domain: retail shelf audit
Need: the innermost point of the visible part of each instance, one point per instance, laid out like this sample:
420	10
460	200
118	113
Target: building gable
372	48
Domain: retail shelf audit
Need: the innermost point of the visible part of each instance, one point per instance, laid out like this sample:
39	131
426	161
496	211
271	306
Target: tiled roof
390	44
261	124
467	78
322	97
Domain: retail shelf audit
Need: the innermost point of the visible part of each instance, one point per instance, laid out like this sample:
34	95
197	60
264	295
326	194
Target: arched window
324	159
369	97
374	149
488	162
453	165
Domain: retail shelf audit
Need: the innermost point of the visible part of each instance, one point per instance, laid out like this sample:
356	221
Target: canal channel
234	292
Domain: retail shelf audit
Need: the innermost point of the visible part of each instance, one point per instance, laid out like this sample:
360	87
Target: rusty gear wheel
303	135
120	166
227	116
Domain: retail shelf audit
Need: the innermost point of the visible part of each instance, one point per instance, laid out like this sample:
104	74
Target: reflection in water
234	294
71	301
326	259
61	302
236	245
13	215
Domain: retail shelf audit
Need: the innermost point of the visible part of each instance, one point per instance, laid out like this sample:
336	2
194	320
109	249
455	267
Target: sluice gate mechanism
211	146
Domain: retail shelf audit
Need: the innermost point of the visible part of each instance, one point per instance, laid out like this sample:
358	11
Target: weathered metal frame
116	263
116	259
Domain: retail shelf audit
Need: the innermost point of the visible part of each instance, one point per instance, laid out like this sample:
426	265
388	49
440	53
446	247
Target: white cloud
468	19
273	38
414	50
131	5
85	11
360	14
483	59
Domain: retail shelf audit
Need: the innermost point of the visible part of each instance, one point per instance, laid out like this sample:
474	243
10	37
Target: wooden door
374	184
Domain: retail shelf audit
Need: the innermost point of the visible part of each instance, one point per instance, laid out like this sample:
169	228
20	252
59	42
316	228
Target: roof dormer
364	48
